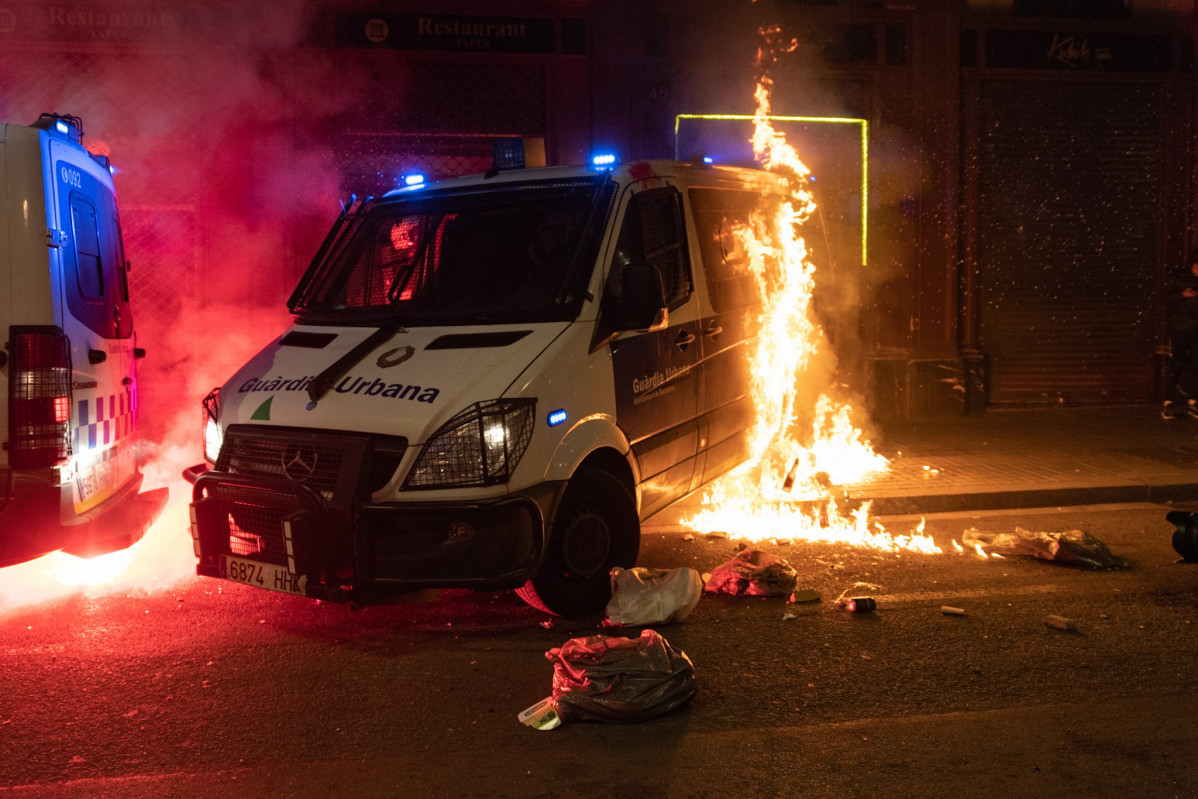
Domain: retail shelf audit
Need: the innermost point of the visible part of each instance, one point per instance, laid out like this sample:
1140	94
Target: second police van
69	475
490	382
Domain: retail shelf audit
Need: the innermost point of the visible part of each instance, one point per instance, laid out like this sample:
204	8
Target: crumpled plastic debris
754	573
1185	534
611	678
641	596
1071	547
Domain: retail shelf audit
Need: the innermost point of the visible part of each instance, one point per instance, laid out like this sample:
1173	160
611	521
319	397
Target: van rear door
93	310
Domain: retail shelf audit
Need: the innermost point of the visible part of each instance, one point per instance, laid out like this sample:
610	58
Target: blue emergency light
410	181
557	417
603	161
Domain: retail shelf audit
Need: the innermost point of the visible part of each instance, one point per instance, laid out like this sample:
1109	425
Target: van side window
88	266
653	233
720	216
95	283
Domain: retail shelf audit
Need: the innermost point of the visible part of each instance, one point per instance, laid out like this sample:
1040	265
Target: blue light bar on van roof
603	160
557	417
414	179
61	125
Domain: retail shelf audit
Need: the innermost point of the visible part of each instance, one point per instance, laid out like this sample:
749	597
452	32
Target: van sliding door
657	373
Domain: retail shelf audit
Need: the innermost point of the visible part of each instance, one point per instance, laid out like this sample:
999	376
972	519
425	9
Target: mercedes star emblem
299	462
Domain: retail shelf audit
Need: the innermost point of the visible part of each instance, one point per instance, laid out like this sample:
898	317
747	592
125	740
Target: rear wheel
595	529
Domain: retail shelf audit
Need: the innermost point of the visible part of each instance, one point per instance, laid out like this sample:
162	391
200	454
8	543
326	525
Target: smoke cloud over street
215	119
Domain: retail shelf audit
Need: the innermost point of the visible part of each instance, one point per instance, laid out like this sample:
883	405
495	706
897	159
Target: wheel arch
614	463
597	442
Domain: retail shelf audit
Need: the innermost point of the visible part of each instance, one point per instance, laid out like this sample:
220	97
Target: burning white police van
69	477
490	382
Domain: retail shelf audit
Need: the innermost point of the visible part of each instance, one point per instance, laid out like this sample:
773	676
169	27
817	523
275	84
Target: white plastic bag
641	596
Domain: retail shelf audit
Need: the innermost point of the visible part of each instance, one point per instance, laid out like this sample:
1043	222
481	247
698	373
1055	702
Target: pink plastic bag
754	573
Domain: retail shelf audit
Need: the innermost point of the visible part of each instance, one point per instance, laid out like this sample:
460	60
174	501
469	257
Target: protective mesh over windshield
479	254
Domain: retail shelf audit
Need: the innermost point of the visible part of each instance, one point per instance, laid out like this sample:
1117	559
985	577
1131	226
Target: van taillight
39	397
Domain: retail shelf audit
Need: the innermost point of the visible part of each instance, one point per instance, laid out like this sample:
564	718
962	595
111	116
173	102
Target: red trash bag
754	573
609	678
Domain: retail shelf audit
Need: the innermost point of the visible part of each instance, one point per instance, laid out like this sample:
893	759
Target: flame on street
804	442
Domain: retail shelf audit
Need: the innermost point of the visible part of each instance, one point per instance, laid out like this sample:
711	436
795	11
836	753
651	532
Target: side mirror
642	300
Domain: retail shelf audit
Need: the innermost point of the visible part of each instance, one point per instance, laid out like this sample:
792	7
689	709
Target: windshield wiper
321	384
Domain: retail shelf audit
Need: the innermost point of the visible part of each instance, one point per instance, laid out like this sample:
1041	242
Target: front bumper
366	553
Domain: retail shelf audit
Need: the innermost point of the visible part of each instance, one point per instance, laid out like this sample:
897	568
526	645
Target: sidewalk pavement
1033	458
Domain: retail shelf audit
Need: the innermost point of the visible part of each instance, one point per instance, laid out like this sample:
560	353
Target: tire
595	529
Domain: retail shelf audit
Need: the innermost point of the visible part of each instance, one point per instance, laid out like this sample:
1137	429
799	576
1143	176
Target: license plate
262	575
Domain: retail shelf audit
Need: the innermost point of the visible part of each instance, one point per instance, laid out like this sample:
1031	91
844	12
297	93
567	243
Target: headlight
478	447
212	433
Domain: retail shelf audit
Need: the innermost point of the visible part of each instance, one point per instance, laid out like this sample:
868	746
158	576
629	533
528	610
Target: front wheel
595	529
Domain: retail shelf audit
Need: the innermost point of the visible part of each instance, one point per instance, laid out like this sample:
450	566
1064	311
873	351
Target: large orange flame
804	442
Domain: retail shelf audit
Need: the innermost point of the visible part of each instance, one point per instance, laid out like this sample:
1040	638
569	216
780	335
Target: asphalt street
205	688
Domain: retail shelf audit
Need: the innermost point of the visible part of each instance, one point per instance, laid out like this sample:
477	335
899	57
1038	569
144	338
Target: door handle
713	331
684	340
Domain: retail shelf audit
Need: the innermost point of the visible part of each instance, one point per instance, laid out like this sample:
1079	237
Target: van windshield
489	254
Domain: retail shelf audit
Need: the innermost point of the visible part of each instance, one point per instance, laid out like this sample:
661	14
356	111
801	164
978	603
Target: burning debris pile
804	442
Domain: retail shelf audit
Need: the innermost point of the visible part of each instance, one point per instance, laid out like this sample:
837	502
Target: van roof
682	172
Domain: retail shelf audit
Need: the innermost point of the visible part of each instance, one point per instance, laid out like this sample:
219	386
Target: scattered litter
805	595
754	573
541	716
856	588
642	596
716	534
861	604
688	537
789	481
1071	547
609	678
789	616
1060	623
1185	537
949	610
547	624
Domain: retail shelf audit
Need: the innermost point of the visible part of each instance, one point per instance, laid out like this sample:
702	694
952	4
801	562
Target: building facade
1030	176
1008	183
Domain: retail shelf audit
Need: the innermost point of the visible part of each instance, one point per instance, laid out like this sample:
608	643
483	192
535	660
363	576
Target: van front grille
316	465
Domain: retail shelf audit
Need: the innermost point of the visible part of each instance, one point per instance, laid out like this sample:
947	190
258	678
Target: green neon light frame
862	123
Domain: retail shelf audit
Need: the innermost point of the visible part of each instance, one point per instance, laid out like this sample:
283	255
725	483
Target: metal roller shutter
1068	218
